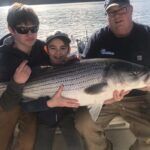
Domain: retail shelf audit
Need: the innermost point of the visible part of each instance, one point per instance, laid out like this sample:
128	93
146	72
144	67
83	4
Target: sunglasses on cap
25	29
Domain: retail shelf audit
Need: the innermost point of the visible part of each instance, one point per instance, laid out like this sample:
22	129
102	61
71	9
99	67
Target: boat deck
118	132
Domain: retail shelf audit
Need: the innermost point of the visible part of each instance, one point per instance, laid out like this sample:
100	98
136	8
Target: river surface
76	19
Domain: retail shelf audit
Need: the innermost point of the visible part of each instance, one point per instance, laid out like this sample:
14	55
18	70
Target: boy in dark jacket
23	25
58	48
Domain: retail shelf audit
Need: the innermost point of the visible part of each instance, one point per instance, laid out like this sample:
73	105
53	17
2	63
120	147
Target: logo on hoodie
106	52
139	58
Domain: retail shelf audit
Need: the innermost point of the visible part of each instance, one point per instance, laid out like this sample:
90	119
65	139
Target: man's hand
22	73
117	96
59	101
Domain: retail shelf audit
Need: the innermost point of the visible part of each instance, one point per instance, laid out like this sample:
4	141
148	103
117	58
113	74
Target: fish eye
135	73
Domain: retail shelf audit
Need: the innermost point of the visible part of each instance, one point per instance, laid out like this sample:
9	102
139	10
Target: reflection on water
75	19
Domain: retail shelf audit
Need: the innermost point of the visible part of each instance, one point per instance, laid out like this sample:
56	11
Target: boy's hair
19	13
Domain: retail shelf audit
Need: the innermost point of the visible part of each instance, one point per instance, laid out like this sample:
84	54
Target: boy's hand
59	101
22	73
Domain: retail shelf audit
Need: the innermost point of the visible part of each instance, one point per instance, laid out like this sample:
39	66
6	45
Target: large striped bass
90	81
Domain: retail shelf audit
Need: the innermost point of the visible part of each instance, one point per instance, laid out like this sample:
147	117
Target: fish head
130	75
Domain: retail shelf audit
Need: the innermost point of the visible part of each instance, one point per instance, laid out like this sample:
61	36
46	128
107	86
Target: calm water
76	19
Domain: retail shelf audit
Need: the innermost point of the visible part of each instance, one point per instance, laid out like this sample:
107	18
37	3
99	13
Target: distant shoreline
38	2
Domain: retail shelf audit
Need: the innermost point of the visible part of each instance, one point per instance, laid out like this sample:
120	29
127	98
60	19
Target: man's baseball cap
58	34
110	3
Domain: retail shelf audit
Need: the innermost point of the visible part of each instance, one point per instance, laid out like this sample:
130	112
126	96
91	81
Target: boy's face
58	51
24	35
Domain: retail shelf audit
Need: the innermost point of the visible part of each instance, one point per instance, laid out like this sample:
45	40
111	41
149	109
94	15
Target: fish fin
94	111
96	88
